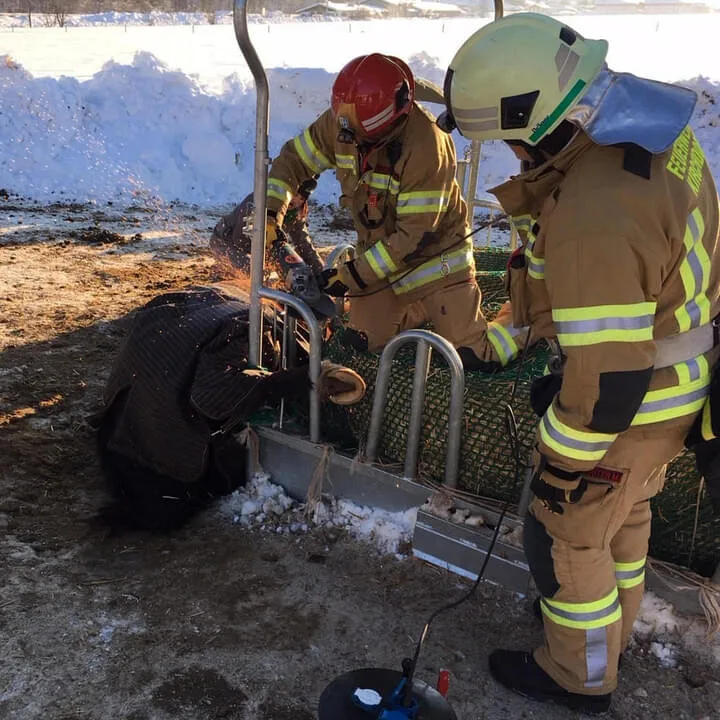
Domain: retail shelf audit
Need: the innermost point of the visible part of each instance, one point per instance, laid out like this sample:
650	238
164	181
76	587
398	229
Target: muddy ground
214	621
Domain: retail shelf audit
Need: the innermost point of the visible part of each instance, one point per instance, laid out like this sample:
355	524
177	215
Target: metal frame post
426	342
306	314
262	160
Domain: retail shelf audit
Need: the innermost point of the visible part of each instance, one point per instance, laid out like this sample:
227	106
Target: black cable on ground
515	451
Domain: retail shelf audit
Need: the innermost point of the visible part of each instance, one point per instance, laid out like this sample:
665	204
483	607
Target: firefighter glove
555	487
340	280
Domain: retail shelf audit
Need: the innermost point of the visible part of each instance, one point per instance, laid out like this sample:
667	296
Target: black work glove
331	283
555	487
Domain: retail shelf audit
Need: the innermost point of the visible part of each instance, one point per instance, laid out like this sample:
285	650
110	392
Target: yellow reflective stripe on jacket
630	575
345	162
422	201
695	275
572	443
584	326
380	261
535	265
584	616
522	222
279	189
434	269
503	341
691	369
706	428
382	181
309	154
673	402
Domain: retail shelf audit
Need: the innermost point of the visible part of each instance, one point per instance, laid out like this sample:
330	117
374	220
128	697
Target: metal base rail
426	342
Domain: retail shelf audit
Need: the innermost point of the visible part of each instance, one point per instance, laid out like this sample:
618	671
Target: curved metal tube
315	350
426	341
262	160
337	252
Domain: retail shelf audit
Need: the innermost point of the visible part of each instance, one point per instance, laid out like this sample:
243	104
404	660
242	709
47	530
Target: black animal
180	377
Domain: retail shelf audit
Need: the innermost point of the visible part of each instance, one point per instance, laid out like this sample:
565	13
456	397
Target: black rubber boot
518	671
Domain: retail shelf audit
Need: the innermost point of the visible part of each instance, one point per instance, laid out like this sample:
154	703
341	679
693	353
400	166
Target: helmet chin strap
550	145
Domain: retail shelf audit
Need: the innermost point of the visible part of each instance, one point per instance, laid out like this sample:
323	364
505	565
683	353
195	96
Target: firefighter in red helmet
396	169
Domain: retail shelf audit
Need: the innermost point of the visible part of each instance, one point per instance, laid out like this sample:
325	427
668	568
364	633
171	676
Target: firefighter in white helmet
619	218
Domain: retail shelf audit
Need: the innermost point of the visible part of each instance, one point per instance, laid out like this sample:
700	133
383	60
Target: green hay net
486	465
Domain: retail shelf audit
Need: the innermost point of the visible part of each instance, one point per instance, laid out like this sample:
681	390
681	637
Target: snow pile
668	634
265	506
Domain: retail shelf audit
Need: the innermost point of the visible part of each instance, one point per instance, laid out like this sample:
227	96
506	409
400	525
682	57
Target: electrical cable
515	452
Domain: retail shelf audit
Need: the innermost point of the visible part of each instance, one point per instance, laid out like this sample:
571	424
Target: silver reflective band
673	402
570	442
596	656
684	347
570	327
584	616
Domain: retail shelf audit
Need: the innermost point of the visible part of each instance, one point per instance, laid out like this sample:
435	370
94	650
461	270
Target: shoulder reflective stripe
695	275
575	444
380	261
584	616
706	428
535	265
279	189
629	575
673	402
522	222
434	269
604	323
345	162
422	202
502	340
381	181
309	154
596	656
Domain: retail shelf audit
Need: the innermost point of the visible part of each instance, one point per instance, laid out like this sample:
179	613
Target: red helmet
371	92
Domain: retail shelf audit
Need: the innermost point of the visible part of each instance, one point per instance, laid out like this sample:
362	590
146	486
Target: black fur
146	499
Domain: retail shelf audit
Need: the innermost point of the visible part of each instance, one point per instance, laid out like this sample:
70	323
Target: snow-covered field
252	610
167	112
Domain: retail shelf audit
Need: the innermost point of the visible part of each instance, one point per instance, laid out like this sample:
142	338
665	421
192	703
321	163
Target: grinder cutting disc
336	702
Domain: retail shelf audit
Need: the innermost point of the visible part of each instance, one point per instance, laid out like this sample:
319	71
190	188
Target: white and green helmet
518	78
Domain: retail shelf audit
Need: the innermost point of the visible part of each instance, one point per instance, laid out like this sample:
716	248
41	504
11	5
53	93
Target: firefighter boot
519	672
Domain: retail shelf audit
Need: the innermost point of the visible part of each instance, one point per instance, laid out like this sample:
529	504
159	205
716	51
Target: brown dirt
213	621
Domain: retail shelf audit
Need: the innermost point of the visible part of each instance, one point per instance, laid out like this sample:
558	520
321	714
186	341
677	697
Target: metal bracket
426	341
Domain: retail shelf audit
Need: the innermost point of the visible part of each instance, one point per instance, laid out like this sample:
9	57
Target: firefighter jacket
406	205
620	251
231	237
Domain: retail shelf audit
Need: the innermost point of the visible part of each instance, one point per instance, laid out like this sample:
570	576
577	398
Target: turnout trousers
589	562
454	311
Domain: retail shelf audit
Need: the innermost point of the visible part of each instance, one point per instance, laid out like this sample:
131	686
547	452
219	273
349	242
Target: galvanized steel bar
423	353
337	252
457	393
315	350
262	160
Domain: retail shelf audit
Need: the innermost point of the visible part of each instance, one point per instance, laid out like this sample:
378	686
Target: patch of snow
671	635
164	114
264	505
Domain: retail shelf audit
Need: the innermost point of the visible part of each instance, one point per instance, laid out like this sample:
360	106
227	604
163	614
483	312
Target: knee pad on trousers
538	551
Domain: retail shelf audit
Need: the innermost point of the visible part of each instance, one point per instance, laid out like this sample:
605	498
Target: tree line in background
56	11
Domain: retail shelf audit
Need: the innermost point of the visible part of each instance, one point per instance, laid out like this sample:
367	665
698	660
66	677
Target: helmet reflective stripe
519	77
379	119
